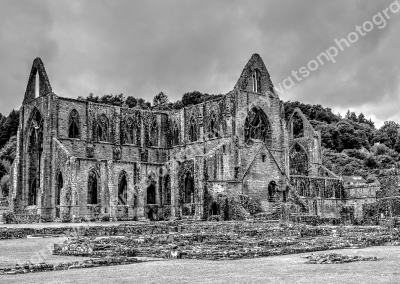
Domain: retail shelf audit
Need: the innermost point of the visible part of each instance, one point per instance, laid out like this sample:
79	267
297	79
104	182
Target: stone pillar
174	189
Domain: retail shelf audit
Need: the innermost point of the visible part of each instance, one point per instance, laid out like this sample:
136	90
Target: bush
8	217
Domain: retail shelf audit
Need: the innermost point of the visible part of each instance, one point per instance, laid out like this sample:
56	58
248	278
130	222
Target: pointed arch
153	139
213	127
92	188
257	126
129	131
44	83
298	160
192	130
103	131
35	151
298	124
74	124
175	135
122	189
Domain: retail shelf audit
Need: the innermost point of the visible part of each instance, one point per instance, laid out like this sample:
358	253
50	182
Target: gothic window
297	126
193	130
303	190
271	191
92	188
167	190
153	134
257	126
122	189
189	188
151	194
298	161
213	130
129	132
73	125
103	129
35	150
256	81
59	186
175	135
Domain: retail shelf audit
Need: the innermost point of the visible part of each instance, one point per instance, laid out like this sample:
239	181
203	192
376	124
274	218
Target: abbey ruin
82	159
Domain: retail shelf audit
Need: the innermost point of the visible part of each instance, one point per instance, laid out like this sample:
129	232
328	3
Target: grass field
34	249
280	269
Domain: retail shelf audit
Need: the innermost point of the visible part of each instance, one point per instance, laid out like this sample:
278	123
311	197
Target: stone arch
298	160
74	124
122	188
189	188
257	126
93	188
44	83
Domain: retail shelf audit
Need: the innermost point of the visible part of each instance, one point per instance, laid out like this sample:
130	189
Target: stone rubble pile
336	258
216	242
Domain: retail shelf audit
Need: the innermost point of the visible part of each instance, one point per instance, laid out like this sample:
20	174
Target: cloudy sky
140	48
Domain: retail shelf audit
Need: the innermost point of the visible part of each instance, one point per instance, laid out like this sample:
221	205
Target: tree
131	101
5	180
9	150
160	99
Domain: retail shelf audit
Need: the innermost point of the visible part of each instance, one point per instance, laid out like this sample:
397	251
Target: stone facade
82	159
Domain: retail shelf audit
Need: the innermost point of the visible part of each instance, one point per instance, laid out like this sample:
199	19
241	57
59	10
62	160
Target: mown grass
279	269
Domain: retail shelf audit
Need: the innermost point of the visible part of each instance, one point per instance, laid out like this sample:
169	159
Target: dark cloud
142	47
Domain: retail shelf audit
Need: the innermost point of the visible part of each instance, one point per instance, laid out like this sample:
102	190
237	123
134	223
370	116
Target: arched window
271	191
213	129
103	129
35	150
129	132
167	190
73	129
153	134
92	188
175	135
256	81
298	161
189	188
59	186
151	194
257	126
193	130
122	189
297	126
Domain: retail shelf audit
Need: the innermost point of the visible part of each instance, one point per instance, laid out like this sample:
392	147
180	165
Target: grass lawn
33	249
280	269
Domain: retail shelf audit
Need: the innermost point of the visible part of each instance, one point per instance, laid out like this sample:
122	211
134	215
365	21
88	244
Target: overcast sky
140	48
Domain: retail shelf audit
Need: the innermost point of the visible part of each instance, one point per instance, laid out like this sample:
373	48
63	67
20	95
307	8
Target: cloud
140	48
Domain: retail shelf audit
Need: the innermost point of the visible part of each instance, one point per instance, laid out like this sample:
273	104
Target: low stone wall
42	267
